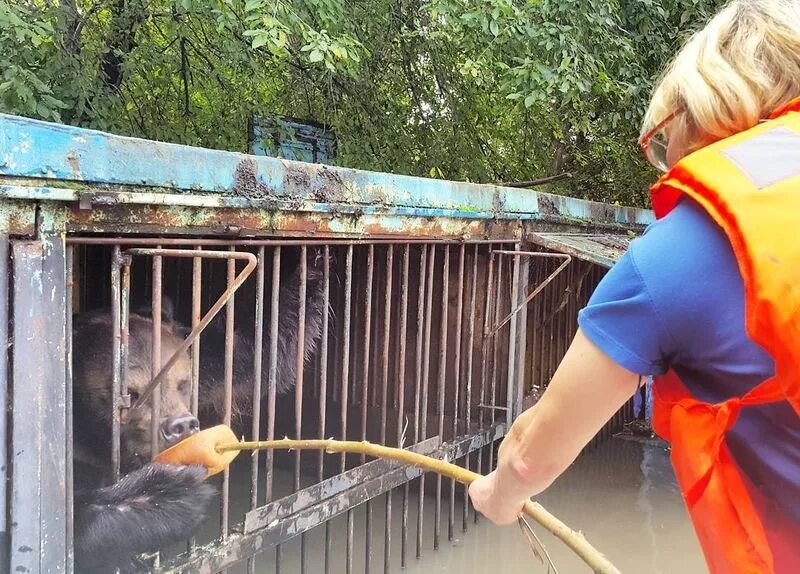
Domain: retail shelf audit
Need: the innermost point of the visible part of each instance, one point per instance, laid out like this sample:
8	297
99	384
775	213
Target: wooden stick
575	540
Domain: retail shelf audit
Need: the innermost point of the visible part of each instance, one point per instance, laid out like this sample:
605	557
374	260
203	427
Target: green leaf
494	28
530	100
260	40
316	56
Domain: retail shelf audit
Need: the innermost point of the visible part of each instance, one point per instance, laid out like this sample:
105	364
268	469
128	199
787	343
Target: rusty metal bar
387	540
205	242
124	342
323	388
423	274
197	305
441	385
274	334
224	298
367	339
493	341
451	516
375	341
68	421
197	282
425	373
258	360
155	353
348	296
365	394
300	372
511	362
116	296
423	268
468	394
517	392
485	355
401	381
567	259
230	309
272	381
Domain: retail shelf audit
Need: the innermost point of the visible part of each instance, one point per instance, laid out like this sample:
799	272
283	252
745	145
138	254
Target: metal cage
446	308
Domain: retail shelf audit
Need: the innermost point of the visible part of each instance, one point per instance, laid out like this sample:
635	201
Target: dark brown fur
155	505
212	364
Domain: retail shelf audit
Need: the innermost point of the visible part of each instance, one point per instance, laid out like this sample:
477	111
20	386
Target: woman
708	301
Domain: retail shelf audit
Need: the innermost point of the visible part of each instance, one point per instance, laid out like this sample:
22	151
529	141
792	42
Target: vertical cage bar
273	368
522	344
366	348
375	342
124	332
258	344
426	361
387	540
197	304
155	354
513	326
228	396
468	391
487	328
5	400
498	303
273	382
298	396
197	307
116	262
68	469
423	275
323	388
365	375
451	517
441	384
401	398
348	292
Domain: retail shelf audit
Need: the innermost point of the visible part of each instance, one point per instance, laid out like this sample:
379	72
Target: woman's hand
494	505
586	390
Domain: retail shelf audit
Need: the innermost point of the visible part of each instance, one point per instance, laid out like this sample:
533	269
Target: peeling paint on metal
43	150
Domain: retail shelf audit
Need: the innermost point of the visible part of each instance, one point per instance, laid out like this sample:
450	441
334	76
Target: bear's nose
176	429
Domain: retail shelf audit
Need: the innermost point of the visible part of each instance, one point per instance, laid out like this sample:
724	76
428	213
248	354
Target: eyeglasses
654	143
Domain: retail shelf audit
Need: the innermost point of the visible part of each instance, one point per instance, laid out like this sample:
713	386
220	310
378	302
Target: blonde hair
737	70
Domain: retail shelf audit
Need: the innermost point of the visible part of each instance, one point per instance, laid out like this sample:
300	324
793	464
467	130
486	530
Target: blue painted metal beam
34	149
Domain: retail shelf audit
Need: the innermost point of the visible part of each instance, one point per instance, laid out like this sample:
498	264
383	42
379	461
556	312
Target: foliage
480	90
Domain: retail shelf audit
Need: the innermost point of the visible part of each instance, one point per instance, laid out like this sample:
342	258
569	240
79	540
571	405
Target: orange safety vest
750	185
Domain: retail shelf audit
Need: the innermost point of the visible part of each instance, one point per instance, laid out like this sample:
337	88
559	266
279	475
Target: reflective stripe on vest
750	185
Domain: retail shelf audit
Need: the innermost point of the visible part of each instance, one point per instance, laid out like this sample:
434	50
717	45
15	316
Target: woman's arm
585	392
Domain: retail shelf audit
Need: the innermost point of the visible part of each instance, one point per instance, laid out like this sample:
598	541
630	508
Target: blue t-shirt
676	300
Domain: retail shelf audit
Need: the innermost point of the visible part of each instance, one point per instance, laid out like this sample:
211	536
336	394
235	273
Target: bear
155	505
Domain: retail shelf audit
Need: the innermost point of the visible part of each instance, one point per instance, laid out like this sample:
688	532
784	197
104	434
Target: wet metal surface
602	249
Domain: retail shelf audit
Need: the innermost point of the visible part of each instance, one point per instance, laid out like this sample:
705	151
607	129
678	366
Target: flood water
622	496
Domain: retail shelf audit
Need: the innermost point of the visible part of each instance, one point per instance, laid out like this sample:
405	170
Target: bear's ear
167	311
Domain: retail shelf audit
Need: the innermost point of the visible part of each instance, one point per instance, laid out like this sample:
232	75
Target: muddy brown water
622	496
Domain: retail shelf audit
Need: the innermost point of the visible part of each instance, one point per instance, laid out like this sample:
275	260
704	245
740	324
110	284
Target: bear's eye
183	387
134	395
